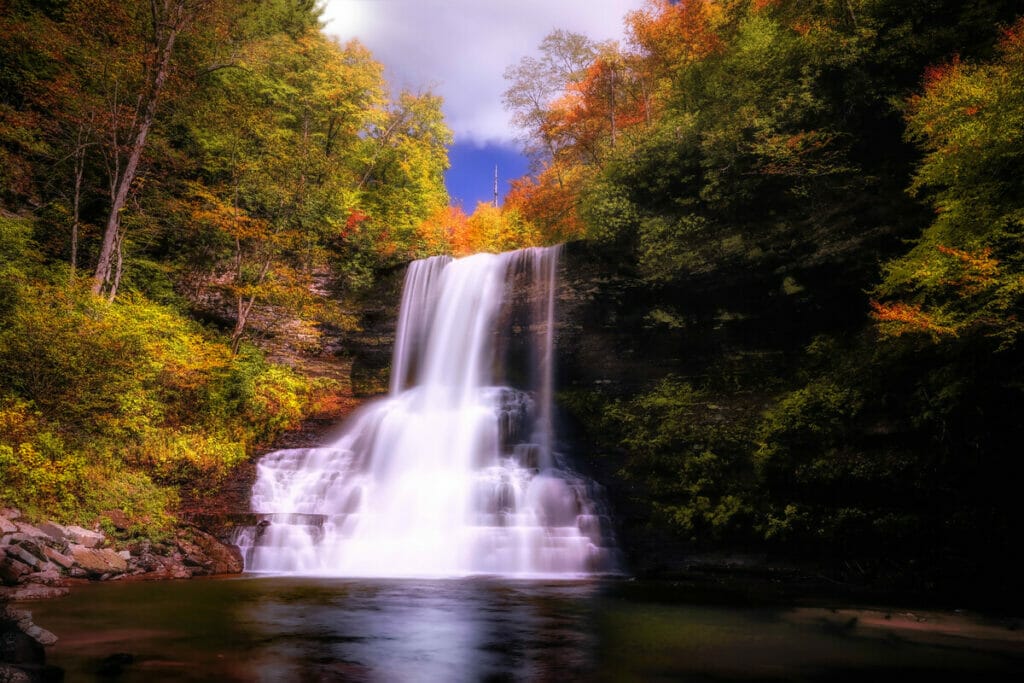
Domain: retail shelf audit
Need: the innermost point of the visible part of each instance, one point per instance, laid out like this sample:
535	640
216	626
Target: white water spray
449	474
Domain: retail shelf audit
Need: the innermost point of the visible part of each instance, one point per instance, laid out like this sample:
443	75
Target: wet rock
36	591
35	547
12	674
84	537
97	562
113	665
203	551
11	570
23	620
153	566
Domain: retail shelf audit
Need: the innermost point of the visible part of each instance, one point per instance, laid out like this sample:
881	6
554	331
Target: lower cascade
452	473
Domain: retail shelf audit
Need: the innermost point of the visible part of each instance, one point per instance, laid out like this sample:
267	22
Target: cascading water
450	474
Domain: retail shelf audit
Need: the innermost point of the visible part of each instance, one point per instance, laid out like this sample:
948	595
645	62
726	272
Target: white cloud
460	48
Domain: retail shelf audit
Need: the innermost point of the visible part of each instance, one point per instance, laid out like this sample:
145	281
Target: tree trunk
123	184
76	203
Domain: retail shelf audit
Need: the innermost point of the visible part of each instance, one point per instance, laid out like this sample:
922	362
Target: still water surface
481	629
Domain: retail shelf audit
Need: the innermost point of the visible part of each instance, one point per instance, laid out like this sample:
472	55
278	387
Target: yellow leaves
974	271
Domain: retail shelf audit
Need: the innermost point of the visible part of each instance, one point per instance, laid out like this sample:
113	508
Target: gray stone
12	674
57	558
10	513
125	554
48	576
39	591
18	553
202	550
80	536
7	526
98	562
32	545
11	570
30	531
55	531
24	621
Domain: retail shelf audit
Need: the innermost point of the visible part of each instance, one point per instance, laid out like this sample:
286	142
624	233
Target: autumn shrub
39	472
118	406
111	487
187	457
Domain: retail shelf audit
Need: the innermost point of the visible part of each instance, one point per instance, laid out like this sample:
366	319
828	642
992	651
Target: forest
831	189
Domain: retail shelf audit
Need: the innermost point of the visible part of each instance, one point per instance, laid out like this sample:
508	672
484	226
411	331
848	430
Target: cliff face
620	332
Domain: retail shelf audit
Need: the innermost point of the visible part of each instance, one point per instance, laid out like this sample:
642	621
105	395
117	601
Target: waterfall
452	473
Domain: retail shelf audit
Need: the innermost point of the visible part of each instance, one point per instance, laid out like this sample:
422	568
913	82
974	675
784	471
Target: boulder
48	575
117	518
37	591
155	566
201	550
22	554
84	537
97	562
31	531
11	570
10	513
13	674
24	621
56	532
59	559
7	526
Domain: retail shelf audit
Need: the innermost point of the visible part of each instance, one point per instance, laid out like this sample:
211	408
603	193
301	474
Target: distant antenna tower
495	185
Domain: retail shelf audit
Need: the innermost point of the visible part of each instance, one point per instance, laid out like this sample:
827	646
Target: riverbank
40	560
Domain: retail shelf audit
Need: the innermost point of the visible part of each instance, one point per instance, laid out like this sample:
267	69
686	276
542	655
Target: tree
276	140
168	19
403	159
535	83
965	274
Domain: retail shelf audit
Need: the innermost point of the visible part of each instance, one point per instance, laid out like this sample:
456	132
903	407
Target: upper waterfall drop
452	473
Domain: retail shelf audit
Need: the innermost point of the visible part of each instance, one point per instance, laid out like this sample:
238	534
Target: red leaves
898	318
935	74
352	223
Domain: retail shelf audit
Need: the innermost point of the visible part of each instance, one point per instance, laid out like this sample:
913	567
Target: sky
459	49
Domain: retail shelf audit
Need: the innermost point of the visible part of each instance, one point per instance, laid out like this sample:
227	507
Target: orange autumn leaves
449	230
618	92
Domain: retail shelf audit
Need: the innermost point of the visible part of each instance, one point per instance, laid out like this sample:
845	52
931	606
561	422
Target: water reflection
301	629
470	630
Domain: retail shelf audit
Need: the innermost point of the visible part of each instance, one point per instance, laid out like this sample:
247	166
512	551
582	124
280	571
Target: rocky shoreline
38	560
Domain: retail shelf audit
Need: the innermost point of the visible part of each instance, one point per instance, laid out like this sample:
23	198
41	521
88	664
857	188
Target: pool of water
490	629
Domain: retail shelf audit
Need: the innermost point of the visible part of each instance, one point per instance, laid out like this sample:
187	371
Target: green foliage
805	428
118	406
39	473
685	457
965	276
